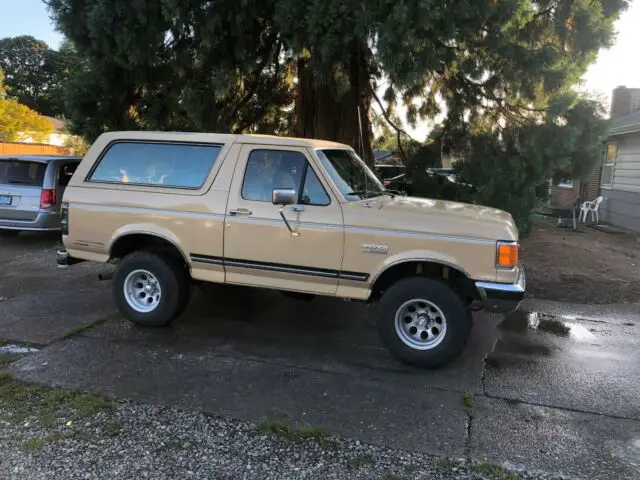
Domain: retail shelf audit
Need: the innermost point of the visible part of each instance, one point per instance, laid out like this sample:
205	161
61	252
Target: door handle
297	208
240	211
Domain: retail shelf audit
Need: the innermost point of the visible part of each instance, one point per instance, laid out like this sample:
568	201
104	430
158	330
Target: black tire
9	233
174	283
454	309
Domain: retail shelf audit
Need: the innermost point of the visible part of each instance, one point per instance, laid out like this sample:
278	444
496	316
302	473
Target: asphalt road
555	386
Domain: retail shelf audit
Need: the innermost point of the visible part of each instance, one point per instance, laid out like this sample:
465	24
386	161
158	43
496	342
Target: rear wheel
151	289
9	233
423	322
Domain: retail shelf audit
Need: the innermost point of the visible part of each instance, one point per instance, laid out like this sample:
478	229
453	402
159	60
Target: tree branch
398	130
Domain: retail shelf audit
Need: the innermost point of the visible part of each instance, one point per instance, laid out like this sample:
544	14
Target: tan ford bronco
305	217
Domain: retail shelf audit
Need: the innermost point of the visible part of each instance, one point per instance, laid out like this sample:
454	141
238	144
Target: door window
268	170
65	173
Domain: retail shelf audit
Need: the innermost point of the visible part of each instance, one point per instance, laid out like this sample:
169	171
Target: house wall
563	196
621	203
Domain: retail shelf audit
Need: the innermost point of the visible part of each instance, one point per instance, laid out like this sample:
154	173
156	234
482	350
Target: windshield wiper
365	193
19	182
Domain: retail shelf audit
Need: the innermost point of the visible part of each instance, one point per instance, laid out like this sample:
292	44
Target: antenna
361	140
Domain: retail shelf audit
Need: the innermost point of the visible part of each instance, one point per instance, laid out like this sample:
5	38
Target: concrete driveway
554	386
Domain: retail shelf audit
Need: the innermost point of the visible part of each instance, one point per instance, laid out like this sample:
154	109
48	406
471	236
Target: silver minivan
31	188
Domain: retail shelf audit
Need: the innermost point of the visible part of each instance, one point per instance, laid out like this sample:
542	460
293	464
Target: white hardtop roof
222	138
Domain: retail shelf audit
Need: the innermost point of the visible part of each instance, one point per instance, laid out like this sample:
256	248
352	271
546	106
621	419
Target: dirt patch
581	266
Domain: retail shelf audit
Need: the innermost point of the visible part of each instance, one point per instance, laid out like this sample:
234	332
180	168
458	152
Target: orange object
507	255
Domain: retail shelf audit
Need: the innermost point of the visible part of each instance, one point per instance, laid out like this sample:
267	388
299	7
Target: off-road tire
455	310
174	282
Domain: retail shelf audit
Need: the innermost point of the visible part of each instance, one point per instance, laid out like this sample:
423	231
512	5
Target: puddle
563	326
527	336
17	350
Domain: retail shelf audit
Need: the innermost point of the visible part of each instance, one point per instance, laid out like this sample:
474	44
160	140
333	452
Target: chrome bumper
502	297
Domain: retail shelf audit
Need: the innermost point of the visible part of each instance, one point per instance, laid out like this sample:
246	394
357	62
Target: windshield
350	174
16	172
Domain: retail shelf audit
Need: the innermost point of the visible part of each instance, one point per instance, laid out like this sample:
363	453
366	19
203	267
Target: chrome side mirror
284	196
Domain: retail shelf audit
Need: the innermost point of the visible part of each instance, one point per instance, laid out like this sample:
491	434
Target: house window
609	164
566	184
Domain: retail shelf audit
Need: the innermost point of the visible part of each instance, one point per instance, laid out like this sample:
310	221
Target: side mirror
284	196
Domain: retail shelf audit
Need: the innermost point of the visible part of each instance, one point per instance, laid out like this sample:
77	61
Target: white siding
626	176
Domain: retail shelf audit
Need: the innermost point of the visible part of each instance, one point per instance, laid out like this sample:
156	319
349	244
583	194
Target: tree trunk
321	114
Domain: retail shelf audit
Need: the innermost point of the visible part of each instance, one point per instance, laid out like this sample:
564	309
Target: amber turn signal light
507	255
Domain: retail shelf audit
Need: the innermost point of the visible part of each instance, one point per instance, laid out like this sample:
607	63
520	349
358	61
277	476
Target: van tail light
64	219
507	255
47	198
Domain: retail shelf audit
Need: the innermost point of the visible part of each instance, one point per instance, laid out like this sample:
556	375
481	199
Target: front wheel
423	321
150	289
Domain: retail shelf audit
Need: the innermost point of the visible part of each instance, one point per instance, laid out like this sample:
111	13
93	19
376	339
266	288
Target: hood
433	216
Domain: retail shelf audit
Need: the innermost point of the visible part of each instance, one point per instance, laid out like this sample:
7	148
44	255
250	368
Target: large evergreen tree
230	65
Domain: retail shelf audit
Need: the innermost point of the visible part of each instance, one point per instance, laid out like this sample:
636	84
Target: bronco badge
374	248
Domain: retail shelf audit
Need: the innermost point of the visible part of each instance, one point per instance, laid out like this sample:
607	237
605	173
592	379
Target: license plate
5	199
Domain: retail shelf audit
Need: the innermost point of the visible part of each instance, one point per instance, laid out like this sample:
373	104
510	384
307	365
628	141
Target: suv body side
340	249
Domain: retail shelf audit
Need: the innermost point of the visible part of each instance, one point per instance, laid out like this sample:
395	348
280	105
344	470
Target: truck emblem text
374	248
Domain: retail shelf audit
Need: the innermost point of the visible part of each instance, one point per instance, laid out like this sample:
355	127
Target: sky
616	66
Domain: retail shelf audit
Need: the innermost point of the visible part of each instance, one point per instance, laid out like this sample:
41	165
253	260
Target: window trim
612	164
334	187
303	177
106	149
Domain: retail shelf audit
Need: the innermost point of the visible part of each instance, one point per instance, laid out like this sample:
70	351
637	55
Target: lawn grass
292	434
20	401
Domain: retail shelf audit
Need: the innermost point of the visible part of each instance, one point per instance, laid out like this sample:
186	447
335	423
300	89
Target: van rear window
177	165
18	172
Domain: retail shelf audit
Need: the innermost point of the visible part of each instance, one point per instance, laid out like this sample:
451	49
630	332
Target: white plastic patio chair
590	207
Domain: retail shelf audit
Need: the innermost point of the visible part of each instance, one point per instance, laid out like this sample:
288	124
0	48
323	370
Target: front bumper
502	297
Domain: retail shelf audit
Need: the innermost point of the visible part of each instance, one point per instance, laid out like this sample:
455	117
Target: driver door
259	249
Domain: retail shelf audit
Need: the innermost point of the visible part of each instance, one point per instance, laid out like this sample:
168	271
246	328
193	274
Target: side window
177	165
270	169
65	173
313	192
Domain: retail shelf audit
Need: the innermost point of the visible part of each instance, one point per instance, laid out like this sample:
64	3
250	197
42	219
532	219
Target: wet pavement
555	386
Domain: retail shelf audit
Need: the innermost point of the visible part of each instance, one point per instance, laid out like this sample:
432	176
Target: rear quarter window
170	165
19	172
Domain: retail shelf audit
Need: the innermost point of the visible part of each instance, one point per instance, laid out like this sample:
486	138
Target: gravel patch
56	433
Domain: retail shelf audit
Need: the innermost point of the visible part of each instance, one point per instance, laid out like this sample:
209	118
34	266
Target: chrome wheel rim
420	324
142	291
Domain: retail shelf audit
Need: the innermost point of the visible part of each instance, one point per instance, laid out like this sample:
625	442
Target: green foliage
18	122
292	434
510	167
46	405
3	88
499	70
176	65
35	73
468	403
